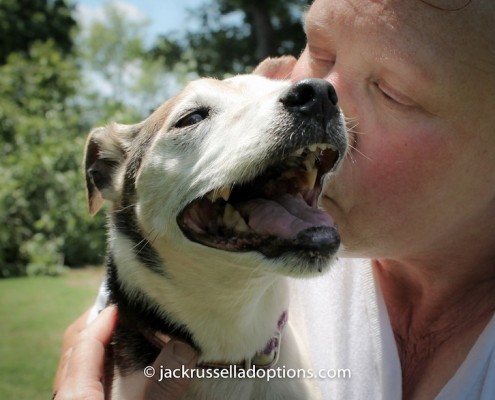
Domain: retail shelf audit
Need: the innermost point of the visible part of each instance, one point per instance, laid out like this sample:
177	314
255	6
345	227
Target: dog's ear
276	68
106	150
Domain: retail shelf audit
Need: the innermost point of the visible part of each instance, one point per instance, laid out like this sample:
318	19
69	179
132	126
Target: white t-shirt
344	320
349	332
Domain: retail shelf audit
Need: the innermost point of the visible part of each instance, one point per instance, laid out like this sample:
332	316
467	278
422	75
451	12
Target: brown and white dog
213	205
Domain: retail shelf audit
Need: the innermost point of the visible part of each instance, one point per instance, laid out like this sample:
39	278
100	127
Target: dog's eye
192	118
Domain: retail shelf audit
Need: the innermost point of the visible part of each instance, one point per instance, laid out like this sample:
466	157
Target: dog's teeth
313	147
309	162
225	193
230	216
232	219
227	214
213	196
297	153
241	226
311	178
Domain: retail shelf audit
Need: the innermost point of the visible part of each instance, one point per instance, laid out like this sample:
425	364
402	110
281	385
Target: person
81	369
409	308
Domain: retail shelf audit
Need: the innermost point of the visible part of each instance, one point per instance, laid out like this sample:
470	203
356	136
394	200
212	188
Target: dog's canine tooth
309	162
225	192
216	194
313	147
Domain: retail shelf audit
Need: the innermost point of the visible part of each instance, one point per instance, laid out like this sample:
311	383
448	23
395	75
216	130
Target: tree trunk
263	30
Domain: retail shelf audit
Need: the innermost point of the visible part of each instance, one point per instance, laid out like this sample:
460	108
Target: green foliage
23	22
111	46
123	82
44	222
235	35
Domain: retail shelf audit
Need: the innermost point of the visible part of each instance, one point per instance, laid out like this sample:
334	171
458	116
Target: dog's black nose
310	97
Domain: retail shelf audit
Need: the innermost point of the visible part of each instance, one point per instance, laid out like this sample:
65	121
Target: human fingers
85	368
69	340
175	356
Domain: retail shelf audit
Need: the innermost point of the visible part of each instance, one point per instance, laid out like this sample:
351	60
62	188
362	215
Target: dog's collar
263	359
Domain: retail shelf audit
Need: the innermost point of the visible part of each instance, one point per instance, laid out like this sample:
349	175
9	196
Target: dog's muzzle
276	213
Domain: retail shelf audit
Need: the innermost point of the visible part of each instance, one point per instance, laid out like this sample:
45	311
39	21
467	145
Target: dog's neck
267	358
231	311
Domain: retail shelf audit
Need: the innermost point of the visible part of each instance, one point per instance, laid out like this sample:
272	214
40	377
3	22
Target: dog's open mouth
273	214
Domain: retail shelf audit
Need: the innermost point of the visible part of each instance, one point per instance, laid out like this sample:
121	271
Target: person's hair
441	4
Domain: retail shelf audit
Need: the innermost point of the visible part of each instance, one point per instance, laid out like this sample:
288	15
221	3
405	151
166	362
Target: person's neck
433	311
429	296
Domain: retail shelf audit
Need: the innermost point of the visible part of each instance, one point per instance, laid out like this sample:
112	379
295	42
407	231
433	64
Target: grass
34	313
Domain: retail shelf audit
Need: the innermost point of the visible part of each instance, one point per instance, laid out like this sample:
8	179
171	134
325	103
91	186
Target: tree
235	35
23	22
44	222
124	82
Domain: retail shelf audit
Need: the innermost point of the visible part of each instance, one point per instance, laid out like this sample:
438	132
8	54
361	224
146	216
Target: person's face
418	84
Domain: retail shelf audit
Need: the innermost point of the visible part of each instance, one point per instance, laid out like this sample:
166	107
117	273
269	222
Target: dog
213	206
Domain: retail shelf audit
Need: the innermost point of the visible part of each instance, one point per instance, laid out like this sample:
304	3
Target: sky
163	15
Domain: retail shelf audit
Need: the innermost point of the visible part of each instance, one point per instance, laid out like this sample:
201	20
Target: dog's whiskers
351	129
353	158
128	206
140	246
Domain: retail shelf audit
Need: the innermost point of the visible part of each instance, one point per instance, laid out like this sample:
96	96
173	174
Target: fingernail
183	353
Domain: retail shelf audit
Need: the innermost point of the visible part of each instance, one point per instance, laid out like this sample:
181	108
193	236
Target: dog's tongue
284	217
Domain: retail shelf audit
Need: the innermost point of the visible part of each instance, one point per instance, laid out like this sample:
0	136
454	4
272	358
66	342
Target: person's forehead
447	46
454	26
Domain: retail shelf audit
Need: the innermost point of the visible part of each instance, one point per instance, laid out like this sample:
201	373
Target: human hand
173	356
81	368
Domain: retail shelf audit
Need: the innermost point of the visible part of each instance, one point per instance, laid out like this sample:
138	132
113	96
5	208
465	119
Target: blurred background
65	67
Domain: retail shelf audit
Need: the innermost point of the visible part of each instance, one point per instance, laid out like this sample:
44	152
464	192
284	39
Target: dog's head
234	165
